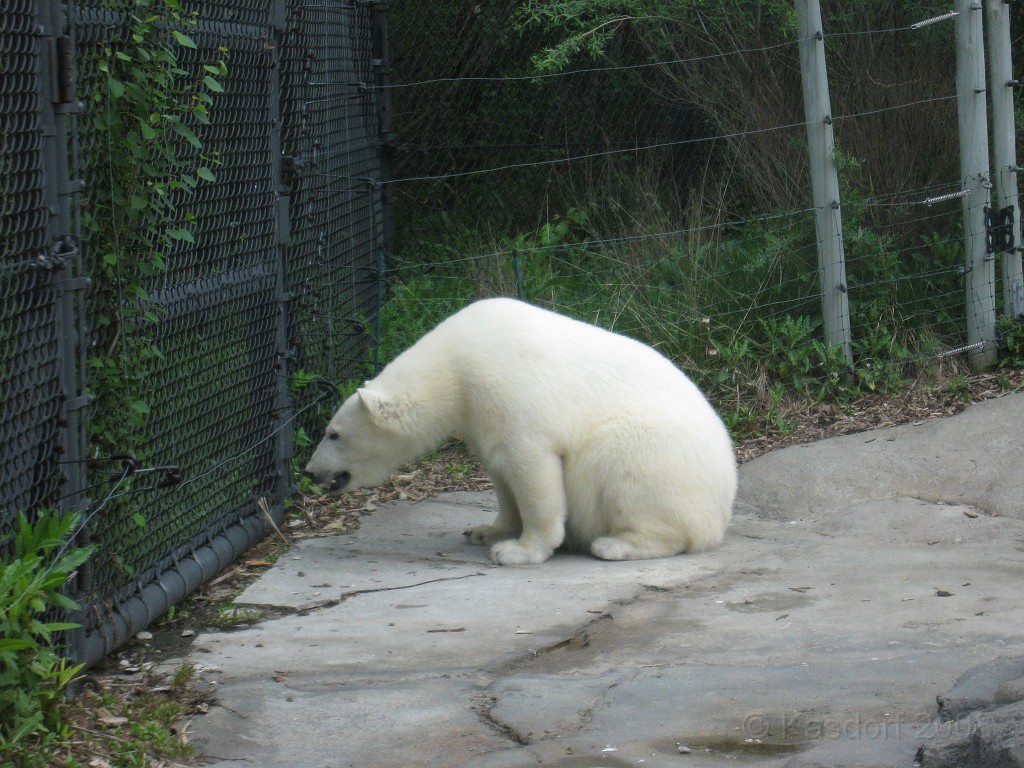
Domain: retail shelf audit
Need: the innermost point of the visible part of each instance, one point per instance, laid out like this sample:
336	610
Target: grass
734	306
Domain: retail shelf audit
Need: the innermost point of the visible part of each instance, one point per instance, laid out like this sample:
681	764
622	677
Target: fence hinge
77	284
284	235
78	403
72	187
62	56
999	230
279	15
291	168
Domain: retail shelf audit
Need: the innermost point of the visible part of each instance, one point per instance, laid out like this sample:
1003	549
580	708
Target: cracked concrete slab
862	575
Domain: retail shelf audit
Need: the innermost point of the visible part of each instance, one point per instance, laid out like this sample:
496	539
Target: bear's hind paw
619	548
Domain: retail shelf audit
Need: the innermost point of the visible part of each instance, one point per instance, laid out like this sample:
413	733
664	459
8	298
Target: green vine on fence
148	107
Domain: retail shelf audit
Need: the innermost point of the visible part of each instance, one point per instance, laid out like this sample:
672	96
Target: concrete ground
861	576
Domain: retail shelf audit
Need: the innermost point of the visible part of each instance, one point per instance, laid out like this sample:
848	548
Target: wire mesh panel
31	394
330	139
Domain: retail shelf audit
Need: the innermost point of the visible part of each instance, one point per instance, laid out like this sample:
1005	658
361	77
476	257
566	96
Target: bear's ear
383	411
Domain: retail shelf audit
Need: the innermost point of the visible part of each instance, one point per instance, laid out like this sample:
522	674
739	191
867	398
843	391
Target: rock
980	725
979	688
980	720
991	738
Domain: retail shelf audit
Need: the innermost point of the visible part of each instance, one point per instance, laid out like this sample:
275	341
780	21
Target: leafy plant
1011	337
33	673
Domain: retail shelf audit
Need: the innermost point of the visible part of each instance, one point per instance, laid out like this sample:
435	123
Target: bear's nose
341	480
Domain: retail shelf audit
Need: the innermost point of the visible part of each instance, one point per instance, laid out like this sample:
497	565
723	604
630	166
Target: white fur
593	440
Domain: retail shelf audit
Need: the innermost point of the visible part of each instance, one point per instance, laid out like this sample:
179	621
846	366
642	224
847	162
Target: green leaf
148	131
206	174
138	202
183	39
110	258
115	87
141	407
16	644
63	626
181	234
213	85
186	133
139	519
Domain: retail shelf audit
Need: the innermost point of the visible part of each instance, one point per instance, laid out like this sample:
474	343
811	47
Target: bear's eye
332	435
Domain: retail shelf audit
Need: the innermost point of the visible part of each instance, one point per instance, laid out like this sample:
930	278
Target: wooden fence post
824	179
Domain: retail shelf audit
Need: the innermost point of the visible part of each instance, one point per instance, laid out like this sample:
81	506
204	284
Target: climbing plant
148	108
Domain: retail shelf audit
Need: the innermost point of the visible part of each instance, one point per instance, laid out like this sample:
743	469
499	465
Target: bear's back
507	344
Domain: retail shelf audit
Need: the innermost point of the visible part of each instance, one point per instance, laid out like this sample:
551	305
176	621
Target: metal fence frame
322	223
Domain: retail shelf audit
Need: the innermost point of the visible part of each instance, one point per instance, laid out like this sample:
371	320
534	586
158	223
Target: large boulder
981	720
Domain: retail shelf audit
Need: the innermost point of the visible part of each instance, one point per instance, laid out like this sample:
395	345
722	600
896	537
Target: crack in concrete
279	610
483	706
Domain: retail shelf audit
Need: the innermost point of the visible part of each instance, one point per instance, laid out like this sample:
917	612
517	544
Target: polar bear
594	441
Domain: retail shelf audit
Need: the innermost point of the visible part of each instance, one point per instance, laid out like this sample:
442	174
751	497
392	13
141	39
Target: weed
231	615
1011	337
33	672
958	386
182	676
135	730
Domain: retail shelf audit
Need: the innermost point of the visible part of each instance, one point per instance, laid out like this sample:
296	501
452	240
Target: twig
265	509
110	736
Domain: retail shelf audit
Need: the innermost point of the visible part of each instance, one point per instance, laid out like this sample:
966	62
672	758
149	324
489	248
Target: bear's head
366	439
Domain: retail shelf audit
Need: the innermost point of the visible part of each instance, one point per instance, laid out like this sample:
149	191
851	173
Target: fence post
382	100
58	105
828	220
285	436
1004	153
979	263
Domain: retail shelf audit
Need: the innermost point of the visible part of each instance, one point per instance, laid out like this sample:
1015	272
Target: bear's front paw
486	535
511	552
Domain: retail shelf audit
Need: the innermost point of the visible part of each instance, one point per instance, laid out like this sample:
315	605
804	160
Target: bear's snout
336	482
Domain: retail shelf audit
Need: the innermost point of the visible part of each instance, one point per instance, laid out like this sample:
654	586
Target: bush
33	674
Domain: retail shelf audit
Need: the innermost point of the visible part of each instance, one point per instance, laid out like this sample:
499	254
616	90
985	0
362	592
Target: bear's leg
635	545
506	525
538	485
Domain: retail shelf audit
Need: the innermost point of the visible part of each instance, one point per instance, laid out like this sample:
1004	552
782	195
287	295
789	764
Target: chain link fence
161	397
